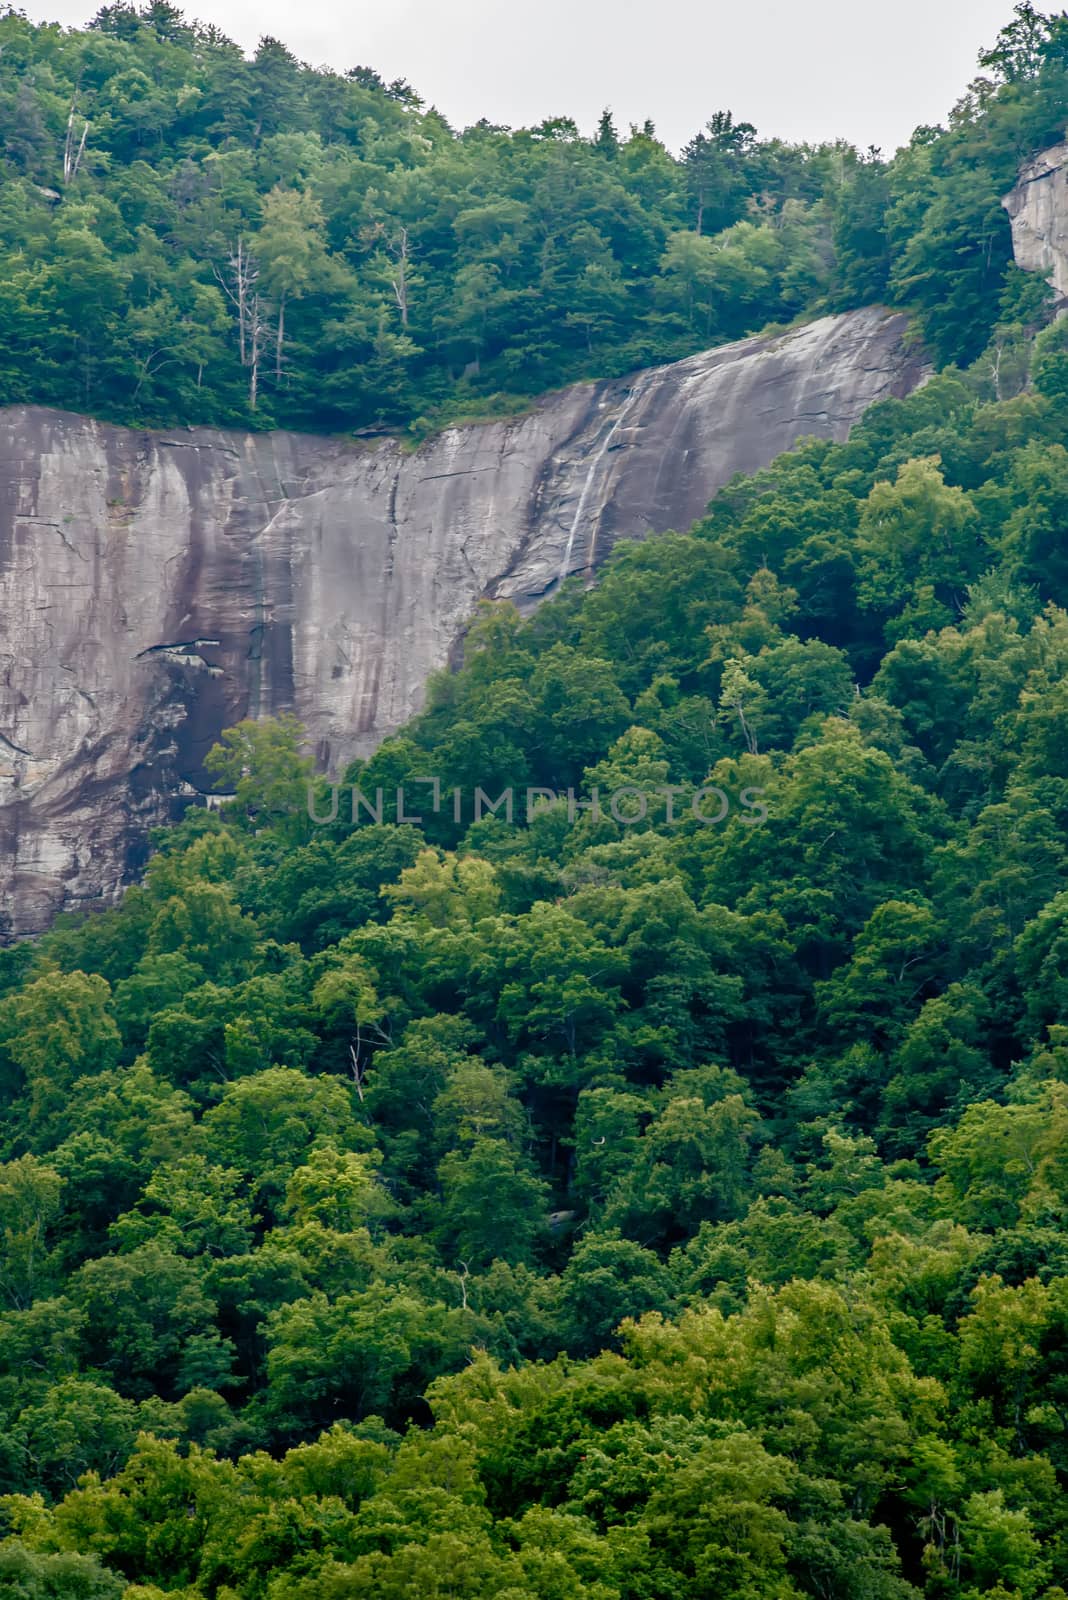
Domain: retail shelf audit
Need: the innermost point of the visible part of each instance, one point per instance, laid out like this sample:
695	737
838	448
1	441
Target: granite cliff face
158	587
1038	211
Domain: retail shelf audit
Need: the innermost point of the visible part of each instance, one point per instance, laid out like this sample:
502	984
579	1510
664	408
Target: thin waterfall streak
606	444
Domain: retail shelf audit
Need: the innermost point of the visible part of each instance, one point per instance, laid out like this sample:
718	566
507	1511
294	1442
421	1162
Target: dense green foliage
187	236
565	1208
324	1115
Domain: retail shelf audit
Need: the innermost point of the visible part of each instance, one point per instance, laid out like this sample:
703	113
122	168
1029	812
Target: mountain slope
160	587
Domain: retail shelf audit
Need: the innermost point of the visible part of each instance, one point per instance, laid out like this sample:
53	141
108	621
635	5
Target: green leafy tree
58	1028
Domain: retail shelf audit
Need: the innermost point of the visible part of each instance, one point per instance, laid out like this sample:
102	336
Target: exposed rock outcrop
157	587
1038	211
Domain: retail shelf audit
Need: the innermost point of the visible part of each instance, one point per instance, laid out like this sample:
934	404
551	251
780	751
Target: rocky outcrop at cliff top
158	587
1038	211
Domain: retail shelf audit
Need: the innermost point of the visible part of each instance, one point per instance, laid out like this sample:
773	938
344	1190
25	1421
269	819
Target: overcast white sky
863	70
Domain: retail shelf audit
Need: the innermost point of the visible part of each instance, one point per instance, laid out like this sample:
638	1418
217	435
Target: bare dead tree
73	145
359	1069
398	247
256	331
235	286
281	336
400	251
239	284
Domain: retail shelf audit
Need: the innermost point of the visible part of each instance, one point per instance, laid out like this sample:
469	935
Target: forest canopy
585	1208
191	236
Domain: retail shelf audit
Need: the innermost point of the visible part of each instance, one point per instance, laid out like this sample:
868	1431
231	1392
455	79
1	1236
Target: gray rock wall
158	587
1038	211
